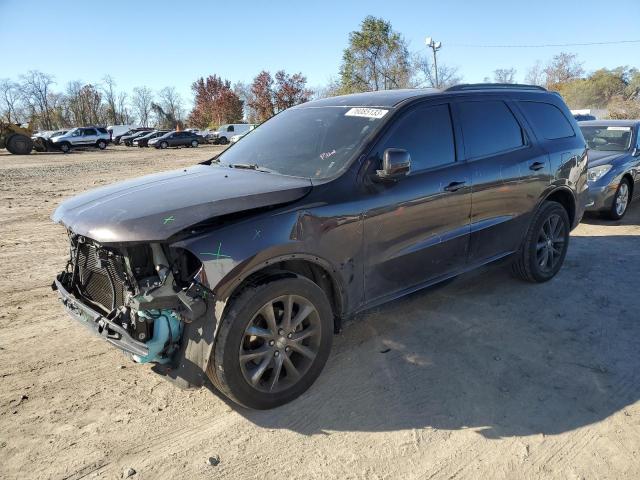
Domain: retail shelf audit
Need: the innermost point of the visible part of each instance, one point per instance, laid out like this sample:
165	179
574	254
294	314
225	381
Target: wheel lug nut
290	335
272	343
276	353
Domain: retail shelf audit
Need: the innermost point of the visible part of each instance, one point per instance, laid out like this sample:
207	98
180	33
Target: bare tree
171	103
10	101
504	75
110	98
563	68
124	115
35	87
142	100
535	75
424	67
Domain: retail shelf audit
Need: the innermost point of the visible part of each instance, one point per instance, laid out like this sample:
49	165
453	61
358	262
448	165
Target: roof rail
493	86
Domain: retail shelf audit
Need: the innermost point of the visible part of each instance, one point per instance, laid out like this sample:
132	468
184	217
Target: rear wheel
545	246
194	143
223	141
101	144
19	144
273	343
621	200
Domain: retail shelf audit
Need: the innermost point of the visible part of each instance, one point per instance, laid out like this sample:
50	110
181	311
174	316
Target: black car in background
143	141
128	139
116	140
177	139
614	165
241	268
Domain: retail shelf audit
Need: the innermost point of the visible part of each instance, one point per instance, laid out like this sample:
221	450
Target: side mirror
396	163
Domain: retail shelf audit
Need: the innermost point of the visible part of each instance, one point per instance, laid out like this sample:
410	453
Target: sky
171	43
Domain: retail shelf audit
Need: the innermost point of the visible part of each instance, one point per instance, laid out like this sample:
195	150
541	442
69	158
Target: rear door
89	136
416	229
508	170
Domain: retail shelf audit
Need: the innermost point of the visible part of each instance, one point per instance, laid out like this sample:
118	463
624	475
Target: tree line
376	58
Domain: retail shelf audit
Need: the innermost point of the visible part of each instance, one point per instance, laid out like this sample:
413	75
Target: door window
426	133
90	131
489	128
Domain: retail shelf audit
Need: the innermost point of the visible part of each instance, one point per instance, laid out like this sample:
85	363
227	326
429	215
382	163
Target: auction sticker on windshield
620	129
366	112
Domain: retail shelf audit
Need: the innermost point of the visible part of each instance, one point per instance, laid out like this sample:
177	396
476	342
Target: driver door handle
454	186
536	166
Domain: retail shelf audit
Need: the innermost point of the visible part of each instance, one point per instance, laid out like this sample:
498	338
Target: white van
223	135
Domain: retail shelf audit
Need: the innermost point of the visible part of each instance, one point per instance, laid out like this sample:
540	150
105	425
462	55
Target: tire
163	145
101	144
621	200
19	144
65	147
530	263
194	143
231	376
223	141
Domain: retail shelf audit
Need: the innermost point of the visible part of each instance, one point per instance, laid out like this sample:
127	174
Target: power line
543	45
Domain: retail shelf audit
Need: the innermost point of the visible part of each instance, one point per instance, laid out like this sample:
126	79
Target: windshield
608	138
311	142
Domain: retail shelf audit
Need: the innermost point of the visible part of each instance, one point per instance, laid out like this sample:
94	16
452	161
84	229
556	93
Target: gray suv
82	137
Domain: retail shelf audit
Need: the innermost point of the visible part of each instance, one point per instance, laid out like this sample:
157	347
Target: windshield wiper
251	166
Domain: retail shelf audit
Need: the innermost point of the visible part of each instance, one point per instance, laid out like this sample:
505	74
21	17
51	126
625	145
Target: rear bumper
97	323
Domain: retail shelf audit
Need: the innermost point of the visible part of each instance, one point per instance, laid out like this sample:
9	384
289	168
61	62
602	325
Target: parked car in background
42	140
143	141
82	137
117	131
580	117
614	165
177	139
241	268
128	139
223	135
118	138
237	137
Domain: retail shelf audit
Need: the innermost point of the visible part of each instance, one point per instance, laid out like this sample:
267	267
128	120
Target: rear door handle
536	166
453	186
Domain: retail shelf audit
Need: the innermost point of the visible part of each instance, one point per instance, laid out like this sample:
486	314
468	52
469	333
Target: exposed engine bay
139	297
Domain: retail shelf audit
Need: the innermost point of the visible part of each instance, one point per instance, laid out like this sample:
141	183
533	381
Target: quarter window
547	119
489	128
427	134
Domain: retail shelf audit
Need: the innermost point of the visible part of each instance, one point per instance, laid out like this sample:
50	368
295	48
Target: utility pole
435	46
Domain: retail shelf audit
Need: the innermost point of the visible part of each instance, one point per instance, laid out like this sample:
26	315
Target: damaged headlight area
138	297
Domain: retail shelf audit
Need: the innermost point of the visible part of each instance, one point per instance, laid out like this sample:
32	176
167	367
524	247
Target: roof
381	98
391	98
609	123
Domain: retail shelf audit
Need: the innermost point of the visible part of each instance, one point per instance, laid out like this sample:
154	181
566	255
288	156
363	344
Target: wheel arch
565	197
312	267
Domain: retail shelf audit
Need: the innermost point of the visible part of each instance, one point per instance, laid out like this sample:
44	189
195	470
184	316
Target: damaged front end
140	297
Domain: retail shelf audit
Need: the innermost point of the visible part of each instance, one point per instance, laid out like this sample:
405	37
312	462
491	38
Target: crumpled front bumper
600	197
97	322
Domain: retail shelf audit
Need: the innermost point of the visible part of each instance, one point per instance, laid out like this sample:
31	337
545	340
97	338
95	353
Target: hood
600	157
155	207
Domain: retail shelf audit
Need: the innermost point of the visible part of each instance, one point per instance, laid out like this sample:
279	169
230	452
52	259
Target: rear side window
426	133
548	120
488	128
90	131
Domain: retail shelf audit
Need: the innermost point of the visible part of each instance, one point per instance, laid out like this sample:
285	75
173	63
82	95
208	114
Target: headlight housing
596	173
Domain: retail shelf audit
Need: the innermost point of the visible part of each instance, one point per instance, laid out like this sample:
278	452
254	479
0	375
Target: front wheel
19	144
65	147
163	145
273	343
194	143
545	246
621	200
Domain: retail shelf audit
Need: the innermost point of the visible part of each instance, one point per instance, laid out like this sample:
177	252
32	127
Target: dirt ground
486	377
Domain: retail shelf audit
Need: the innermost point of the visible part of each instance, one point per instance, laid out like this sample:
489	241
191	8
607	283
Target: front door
417	229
